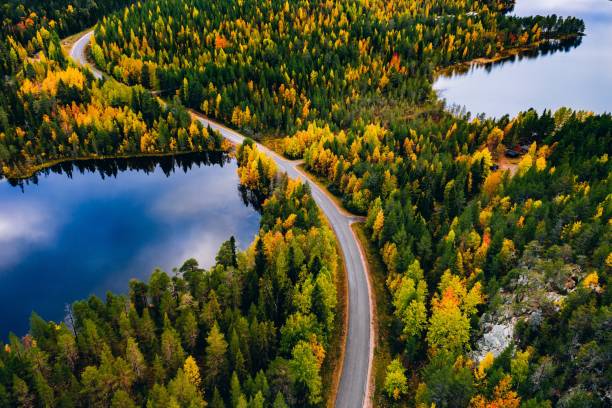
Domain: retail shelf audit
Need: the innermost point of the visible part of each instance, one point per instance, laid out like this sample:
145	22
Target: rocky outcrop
538	286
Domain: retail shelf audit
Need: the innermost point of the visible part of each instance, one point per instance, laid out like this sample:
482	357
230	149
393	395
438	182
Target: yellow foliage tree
540	163
190	367
591	281
486	363
525	164
452	306
379	223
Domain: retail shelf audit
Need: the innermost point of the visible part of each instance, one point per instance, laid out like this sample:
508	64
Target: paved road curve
353	386
77	53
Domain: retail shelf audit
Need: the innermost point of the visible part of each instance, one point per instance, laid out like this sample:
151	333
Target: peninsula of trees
252	331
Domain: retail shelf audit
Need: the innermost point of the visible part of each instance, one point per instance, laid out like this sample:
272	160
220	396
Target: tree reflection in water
111	167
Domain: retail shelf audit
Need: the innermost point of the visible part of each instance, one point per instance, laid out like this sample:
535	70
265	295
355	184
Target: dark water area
575	74
88	227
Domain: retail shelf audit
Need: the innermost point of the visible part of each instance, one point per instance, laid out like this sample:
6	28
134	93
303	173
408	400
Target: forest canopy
471	244
268	67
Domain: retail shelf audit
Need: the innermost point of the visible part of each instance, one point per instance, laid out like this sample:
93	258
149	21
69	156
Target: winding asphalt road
353	390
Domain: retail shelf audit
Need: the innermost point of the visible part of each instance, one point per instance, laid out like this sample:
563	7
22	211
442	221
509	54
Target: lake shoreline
463	67
33	170
571	71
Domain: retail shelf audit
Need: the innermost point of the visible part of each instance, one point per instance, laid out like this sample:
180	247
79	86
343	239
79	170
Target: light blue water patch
579	78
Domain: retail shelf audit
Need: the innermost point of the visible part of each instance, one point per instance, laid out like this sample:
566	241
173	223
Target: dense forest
269	67
495	271
23	19
468	246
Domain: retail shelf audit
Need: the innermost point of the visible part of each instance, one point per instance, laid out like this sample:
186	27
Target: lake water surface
97	224
580	77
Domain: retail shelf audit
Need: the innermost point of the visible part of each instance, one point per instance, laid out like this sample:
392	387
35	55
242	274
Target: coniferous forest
478	225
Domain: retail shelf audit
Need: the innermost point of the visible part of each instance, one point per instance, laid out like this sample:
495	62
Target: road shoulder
382	315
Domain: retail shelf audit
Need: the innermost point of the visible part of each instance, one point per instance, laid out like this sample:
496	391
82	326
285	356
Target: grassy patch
510	164
321	182
382	313
273	143
385	110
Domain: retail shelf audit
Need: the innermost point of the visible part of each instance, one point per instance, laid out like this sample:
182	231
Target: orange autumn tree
452	307
503	396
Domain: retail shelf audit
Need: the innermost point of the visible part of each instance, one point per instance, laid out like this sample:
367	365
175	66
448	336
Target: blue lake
577	77
89	227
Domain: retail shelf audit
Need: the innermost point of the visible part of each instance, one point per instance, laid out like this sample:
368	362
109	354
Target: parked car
512	153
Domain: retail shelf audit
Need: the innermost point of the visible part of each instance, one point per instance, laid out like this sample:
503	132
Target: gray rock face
539	288
496	338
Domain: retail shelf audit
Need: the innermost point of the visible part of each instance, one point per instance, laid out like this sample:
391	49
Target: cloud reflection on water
193	197
23	226
65	238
